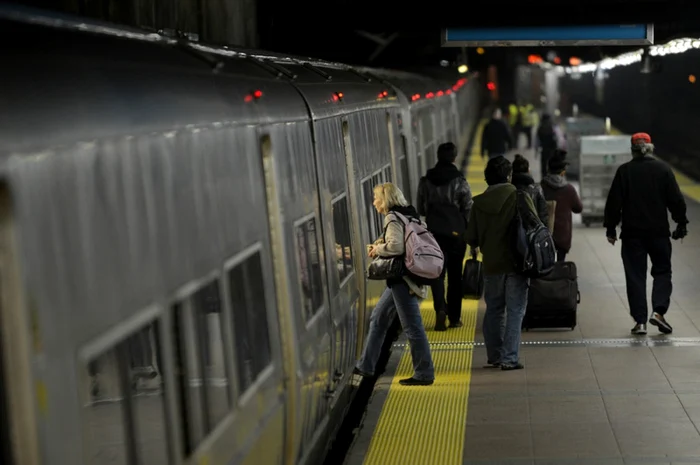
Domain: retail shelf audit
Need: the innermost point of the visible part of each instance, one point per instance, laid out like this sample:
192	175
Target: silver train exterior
183	240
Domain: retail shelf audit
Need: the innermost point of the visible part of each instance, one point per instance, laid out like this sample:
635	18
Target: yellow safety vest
512	114
526	113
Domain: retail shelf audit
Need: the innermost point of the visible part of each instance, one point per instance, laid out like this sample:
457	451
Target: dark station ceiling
407	35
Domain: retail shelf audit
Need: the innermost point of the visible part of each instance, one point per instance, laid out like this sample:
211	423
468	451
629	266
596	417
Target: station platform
594	395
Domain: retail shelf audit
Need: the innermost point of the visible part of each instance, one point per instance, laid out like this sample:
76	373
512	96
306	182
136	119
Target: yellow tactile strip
427	425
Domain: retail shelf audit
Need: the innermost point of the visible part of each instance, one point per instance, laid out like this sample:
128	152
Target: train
182	266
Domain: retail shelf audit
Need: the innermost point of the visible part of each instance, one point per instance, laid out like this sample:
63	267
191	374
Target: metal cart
600	157
574	128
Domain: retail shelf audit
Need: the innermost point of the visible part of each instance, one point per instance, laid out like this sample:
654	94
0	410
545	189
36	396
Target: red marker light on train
440	93
491	86
253	96
429	95
337	96
448	91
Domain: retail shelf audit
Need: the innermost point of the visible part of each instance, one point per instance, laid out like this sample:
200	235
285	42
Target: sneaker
440	320
517	366
492	365
415	382
357	371
660	322
639	329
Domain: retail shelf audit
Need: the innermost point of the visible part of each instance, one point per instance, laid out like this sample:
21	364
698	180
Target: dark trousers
634	258
527	130
561	255
453	249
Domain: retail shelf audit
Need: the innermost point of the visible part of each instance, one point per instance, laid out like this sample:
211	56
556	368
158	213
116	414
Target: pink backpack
423	256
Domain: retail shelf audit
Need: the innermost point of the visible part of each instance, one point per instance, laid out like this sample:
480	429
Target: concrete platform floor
595	395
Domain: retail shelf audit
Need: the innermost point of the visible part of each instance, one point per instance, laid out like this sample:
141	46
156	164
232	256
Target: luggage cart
575	128
600	158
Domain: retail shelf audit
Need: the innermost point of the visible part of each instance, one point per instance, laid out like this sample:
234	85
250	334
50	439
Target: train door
20	444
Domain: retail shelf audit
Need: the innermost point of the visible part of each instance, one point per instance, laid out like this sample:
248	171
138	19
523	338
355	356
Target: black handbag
473	279
382	268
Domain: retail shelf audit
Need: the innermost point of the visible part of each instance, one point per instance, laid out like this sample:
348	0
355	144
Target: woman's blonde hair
391	195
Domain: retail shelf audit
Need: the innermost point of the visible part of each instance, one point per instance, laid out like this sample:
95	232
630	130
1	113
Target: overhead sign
623	34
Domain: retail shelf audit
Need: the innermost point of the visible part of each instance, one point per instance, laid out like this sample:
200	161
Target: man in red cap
641	193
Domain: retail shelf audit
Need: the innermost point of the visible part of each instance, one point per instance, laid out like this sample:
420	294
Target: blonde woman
401	294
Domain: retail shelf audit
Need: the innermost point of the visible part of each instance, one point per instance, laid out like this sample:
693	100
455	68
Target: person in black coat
523	180
496	138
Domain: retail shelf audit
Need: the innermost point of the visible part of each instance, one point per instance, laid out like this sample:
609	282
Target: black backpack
532	244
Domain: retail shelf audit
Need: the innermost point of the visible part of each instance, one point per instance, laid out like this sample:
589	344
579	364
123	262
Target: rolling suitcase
553	299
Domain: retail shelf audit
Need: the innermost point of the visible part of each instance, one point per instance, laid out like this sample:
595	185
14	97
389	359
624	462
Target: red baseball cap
641	138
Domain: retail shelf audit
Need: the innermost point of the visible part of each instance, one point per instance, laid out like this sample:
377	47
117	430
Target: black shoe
440	320
456	324
415	382
492	365
517	366
658	320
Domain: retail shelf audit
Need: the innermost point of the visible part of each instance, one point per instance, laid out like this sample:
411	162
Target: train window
388	174
367	199
309	267
200	367
343	246
125	409
405	181
376	180
250	325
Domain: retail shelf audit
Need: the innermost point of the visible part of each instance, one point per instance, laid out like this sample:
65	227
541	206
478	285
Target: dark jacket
496	138
490	227
556	188
641	193
444	198
524	182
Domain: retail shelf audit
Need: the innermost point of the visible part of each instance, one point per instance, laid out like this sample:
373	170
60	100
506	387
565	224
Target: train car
183	233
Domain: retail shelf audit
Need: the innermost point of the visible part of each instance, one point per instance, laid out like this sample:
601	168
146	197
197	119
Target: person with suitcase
505	289
556	188
444	199
642	192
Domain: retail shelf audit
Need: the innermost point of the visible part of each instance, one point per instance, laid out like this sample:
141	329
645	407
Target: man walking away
505	291
555	187
496	138
641	193
444	198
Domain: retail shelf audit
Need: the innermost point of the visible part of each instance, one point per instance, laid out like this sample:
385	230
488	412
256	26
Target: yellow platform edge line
688	186
427	425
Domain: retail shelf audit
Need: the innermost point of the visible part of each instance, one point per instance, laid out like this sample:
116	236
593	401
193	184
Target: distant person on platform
555	187
496	138
643	191
445	200
547	140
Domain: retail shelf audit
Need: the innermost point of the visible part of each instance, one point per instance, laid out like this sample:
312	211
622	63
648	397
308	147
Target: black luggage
472	279
553	299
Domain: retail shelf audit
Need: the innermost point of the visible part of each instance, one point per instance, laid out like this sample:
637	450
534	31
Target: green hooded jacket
489	227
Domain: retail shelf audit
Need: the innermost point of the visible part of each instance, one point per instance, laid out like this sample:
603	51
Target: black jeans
453	249
561	255
634	258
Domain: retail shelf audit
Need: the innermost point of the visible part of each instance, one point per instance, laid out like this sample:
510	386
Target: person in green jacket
505	291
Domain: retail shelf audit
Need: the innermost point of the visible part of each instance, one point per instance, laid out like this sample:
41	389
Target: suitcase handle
578	297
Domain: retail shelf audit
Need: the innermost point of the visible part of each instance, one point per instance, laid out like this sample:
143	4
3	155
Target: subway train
182	250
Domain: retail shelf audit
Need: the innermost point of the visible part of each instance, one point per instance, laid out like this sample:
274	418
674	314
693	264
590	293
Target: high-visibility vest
512	114
526	113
